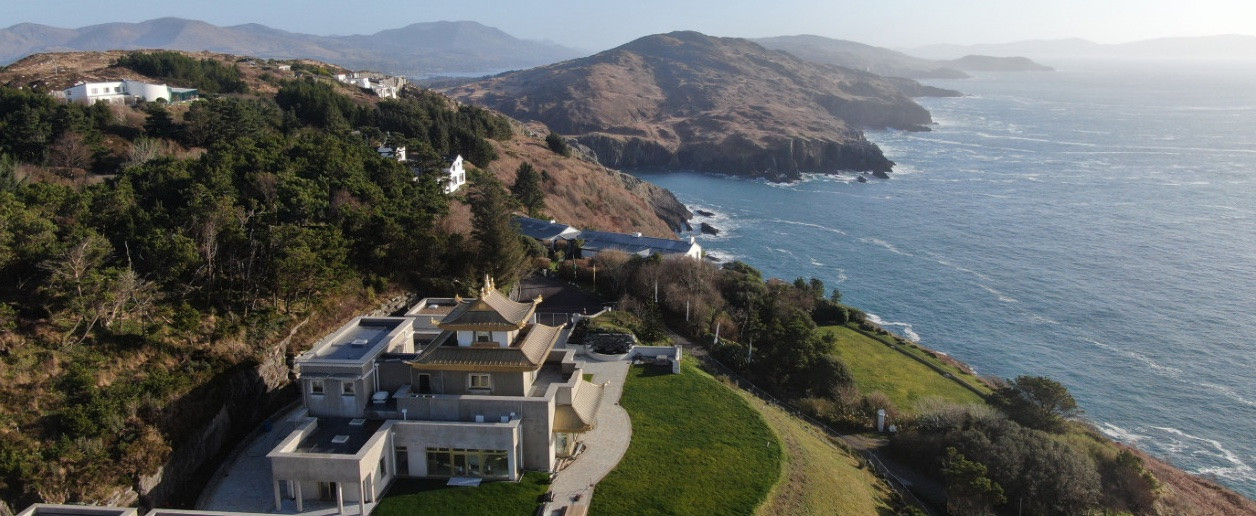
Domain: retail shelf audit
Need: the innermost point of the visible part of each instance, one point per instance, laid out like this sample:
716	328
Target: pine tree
527	189
501	251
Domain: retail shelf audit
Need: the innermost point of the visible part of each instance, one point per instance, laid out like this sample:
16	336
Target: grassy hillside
697	448
819	476
905	380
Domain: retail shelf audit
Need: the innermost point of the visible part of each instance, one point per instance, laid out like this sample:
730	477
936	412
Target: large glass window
462	462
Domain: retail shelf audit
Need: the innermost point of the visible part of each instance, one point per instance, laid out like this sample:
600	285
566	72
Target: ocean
1096	225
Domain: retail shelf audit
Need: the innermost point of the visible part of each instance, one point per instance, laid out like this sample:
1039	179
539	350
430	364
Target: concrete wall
535	414
417	436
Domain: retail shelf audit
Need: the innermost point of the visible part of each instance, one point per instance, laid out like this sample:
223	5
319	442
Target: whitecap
888	246
904	328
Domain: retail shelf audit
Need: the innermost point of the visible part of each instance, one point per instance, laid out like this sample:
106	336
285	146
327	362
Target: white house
126	91
455	175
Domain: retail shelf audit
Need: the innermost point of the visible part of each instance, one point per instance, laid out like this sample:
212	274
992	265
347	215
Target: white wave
721	255
1037	140
1165	370
841	274
809	225
1119	434
888	246
1228	392
999	295
815	262
1177	443
1212	448
1038	318
904	328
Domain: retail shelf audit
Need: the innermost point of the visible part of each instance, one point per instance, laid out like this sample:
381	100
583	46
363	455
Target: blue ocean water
1096	225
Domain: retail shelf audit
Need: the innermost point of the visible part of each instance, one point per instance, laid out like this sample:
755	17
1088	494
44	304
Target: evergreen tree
557	144
527	189
501	248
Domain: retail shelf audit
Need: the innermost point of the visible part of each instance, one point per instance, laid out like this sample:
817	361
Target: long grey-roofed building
638	244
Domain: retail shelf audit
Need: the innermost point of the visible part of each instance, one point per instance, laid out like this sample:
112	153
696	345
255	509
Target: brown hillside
688	101
582	193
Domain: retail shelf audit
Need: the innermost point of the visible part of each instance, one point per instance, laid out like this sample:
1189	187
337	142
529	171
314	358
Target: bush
557	144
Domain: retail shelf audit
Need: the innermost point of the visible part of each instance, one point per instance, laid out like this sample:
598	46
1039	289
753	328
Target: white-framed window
316	387
484	336
480	381
346	388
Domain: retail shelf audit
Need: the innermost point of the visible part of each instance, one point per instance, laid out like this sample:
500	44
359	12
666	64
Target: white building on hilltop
126	91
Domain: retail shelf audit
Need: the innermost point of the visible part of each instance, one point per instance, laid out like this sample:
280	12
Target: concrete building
126	91
455	388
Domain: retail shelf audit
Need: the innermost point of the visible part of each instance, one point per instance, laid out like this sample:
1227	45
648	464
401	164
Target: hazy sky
598	25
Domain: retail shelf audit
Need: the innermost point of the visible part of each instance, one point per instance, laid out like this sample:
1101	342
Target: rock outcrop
686	101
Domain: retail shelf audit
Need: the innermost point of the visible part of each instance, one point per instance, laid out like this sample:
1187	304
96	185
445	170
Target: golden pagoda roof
492	311
581	414
529	354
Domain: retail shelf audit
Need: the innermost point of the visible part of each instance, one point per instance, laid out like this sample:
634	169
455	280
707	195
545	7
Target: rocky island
687	101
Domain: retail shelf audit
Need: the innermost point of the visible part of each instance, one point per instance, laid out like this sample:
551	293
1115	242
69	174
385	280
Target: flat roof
359	340
328	436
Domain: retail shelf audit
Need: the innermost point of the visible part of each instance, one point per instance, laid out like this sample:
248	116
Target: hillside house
455	175
455	388
598	241
548	232
126	91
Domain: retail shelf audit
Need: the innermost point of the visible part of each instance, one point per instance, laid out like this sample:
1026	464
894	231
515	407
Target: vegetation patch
417	497
820	477
697	448
879	368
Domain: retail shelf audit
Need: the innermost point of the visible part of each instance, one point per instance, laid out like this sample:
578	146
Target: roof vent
637	234
359	342
357	421
340	439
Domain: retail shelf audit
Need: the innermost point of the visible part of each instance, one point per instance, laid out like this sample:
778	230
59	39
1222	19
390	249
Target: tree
1037	402
527	189
501	251
968	489
557	144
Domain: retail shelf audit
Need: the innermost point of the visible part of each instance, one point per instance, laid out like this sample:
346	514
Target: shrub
557	144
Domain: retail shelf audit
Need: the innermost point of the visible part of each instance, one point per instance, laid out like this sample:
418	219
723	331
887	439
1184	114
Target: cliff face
689	101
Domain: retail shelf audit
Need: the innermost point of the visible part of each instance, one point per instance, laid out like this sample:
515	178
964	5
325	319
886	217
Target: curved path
605	445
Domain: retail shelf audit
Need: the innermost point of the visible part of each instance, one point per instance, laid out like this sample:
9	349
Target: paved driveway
604	445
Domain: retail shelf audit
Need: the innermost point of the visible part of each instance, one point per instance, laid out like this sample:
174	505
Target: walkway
605	445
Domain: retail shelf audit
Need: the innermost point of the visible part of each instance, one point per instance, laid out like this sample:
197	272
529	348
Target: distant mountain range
1229	47
891	63
433	48
858	56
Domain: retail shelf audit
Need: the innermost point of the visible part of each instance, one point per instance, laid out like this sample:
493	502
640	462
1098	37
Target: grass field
877	367
421	497
697	448
819	477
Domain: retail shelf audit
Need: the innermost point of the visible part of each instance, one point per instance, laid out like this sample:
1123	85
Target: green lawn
877	367
697	448
431	496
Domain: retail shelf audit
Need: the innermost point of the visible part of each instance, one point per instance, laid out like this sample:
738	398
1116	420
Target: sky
595	25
